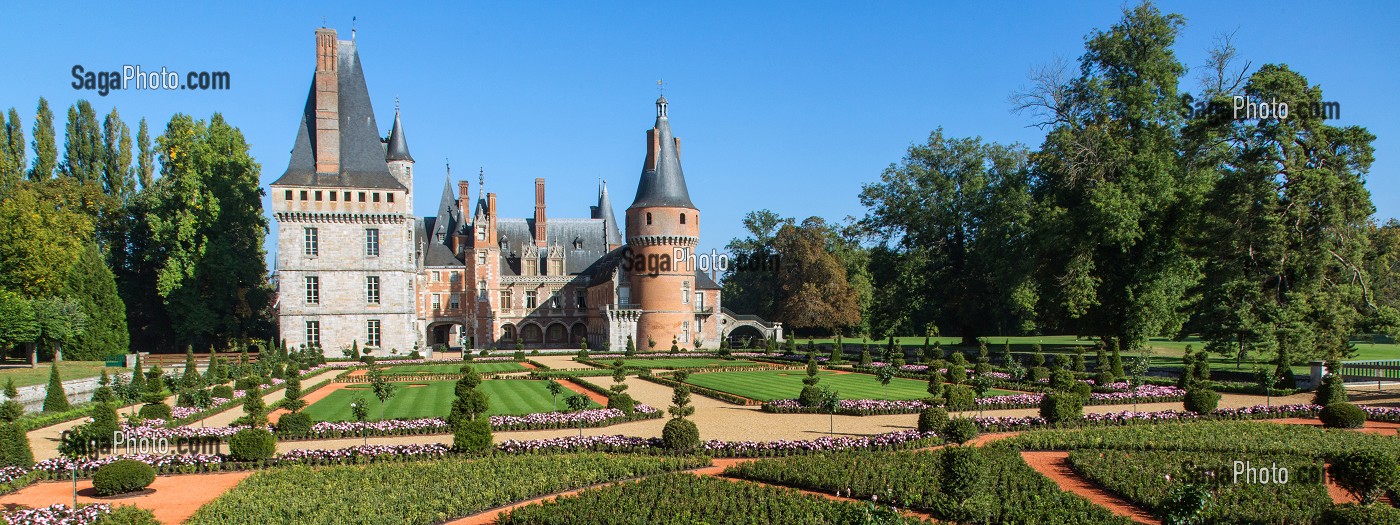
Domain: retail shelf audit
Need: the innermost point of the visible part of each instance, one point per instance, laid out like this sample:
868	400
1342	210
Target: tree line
1136	217
154	245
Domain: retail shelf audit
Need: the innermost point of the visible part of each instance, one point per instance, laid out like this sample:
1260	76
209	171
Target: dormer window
578	243
442	237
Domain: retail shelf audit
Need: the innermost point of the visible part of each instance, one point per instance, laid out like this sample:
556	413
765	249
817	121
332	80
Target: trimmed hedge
934	419
680	435
1342	415
155	411
294	424
1061	407
1201	400
252	444
121	477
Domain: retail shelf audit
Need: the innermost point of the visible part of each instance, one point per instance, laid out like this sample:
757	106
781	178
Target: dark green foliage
294	424
957	373
1077	360
1342	415
104	392
1062	407
933	419
960	398
811	396
91	284
252	444
1201	400
472	435
155	411
14	446
291	391
622	401
1116	362
1062	380
223	391
1081	389
1039	372
1331	391
122	476
960	430
1037	357
1366	474
55	399
127	515
254	408
680	435
865	357
11	410
104	423
1353	514
963	472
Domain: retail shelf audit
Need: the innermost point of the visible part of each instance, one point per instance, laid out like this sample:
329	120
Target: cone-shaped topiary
55	399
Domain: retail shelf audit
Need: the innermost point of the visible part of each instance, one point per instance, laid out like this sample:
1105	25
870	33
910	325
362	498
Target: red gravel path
1055	465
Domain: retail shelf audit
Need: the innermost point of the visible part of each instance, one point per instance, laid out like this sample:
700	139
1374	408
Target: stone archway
530	334
578	333
556	335
738	334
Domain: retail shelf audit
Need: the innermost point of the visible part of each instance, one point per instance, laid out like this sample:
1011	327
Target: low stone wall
78	390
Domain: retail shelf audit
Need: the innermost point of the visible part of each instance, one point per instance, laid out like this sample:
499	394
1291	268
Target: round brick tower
662	225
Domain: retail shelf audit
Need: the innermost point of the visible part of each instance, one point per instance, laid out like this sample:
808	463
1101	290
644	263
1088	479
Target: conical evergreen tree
55	399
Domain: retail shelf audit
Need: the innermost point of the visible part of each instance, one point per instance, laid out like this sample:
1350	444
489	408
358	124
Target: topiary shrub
1201	400
1330	391
294	424
245	383
1039	372
105	423
1365	474
960	430
960	398
623	402
1353	514
223	391
252	444
127	515
1061	407
14	447
963	473
1062	380
680	435
933	419
155	411
472	435
811	396
122	476
1342	415
1082	390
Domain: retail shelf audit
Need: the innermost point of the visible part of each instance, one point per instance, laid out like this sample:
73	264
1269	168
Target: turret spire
662	183
398	145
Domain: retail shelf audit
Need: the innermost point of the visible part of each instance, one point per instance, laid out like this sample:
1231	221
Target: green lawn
508	397
453	368
765	385
683	362
25	376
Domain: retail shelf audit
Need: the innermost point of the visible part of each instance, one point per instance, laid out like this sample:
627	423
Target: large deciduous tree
812	280
951	220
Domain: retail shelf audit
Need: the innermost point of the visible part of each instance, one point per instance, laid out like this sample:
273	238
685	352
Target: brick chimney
653	151
327	102
539	213
491	218
463	198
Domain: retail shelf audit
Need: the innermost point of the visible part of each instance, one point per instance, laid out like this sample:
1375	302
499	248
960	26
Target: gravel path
174	500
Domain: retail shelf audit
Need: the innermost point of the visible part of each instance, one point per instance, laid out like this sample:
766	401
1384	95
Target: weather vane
352	28
661	87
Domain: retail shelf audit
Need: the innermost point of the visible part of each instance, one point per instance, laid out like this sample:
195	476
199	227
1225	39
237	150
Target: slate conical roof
665	184
398	146
448	216
605	212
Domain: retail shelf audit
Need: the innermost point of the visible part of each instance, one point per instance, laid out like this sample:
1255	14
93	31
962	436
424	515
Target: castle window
481	290
376	196
303	194
372	333
437	302
554	300
699	325
372	289
313	333
362	196
453	277
682	218
289	194
481	258
453	302
313	289
372	242
389	197
347	197
481	233
685	292
318	196
530	299
334	194
310	242
648	218
580	299
505	300
685	332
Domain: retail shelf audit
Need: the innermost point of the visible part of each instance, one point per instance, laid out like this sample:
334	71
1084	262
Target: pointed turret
398	146
613	236
662	184
447	215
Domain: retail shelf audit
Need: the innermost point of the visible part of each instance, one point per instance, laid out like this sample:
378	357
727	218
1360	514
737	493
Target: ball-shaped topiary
295	424
622	401
155	411
960	398
1342	415
1201	400
122	476
1039	372
933	419
223	391
252	444
964	472
1083	390
1061	407
811	396
680	435
960	430
1062	380
472	436
1331	391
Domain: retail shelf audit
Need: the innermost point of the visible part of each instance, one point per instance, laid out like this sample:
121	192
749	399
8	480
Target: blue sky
789	106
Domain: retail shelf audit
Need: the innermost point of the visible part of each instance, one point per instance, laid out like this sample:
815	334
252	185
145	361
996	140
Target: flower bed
889	441
600	417
877	407
57	514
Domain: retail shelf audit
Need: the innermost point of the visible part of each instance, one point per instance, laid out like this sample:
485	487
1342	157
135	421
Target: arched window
648	218
682	218
508	333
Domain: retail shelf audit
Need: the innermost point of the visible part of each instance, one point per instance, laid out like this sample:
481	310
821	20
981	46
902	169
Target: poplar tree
12	152
117	179
83	156
145	157
45	144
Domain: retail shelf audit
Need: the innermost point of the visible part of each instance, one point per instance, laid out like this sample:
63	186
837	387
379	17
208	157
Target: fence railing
1377	371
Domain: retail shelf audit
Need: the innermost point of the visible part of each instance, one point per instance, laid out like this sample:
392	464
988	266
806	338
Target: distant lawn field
683	362
434	399
492	367
25	376
768	385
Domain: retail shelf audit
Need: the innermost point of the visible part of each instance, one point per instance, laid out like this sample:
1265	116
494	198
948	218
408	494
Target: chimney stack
464	200
539	213
327	102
